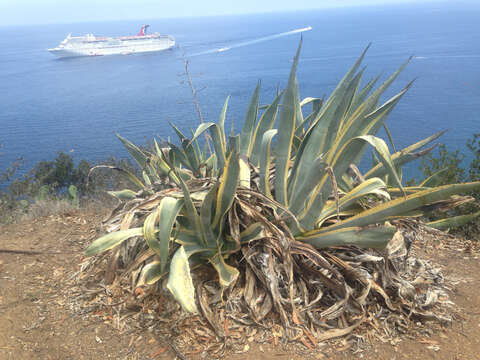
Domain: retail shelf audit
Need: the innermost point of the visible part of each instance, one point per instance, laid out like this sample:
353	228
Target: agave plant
278	193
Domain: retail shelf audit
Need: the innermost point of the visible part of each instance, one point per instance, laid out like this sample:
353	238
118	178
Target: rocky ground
39	258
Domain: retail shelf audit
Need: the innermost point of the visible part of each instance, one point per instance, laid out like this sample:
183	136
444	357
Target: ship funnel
143	30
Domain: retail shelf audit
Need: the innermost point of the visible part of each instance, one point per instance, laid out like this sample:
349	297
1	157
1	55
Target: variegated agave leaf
180	281
111	240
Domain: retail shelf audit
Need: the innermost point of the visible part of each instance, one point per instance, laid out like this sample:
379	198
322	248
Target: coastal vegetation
449	169
36	192
57	186
297	235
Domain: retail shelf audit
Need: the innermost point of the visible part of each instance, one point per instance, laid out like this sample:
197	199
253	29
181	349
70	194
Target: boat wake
460	56
251	42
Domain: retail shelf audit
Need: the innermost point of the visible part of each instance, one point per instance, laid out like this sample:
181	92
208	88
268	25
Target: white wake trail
254	41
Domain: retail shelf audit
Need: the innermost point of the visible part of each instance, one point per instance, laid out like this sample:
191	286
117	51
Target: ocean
77	105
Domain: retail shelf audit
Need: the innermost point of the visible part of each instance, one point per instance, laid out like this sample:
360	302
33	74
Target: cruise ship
91	45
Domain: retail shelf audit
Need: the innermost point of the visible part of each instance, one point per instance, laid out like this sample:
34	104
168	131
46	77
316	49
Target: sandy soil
36	322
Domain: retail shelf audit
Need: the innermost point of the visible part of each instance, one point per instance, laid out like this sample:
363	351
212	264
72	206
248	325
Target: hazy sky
65	11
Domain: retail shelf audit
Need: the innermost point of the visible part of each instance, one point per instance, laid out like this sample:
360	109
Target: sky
23	12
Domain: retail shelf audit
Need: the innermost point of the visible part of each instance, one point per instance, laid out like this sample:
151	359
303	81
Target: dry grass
43	208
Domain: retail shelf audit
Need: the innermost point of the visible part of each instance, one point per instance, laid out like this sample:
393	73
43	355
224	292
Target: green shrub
54	181
448	165
449	162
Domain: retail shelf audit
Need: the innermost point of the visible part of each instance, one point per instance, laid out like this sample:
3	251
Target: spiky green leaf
180	281
306	186
366	237
435	179
287	126
158	239
151	273
109	241
206	216
217	139
368	187
226	274
253	232
228	186
138	155
249	122
313	144
130	176
340	163
266	122
404	156
265	162
453	222
401	206
221	120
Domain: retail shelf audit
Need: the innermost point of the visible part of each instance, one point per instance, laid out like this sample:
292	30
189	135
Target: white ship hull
90	45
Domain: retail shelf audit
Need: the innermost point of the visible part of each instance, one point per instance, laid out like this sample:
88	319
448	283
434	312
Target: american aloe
295	194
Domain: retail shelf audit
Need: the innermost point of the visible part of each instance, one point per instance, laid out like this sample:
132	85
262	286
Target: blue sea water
77	105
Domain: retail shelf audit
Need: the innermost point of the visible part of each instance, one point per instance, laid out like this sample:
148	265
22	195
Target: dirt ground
36	322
